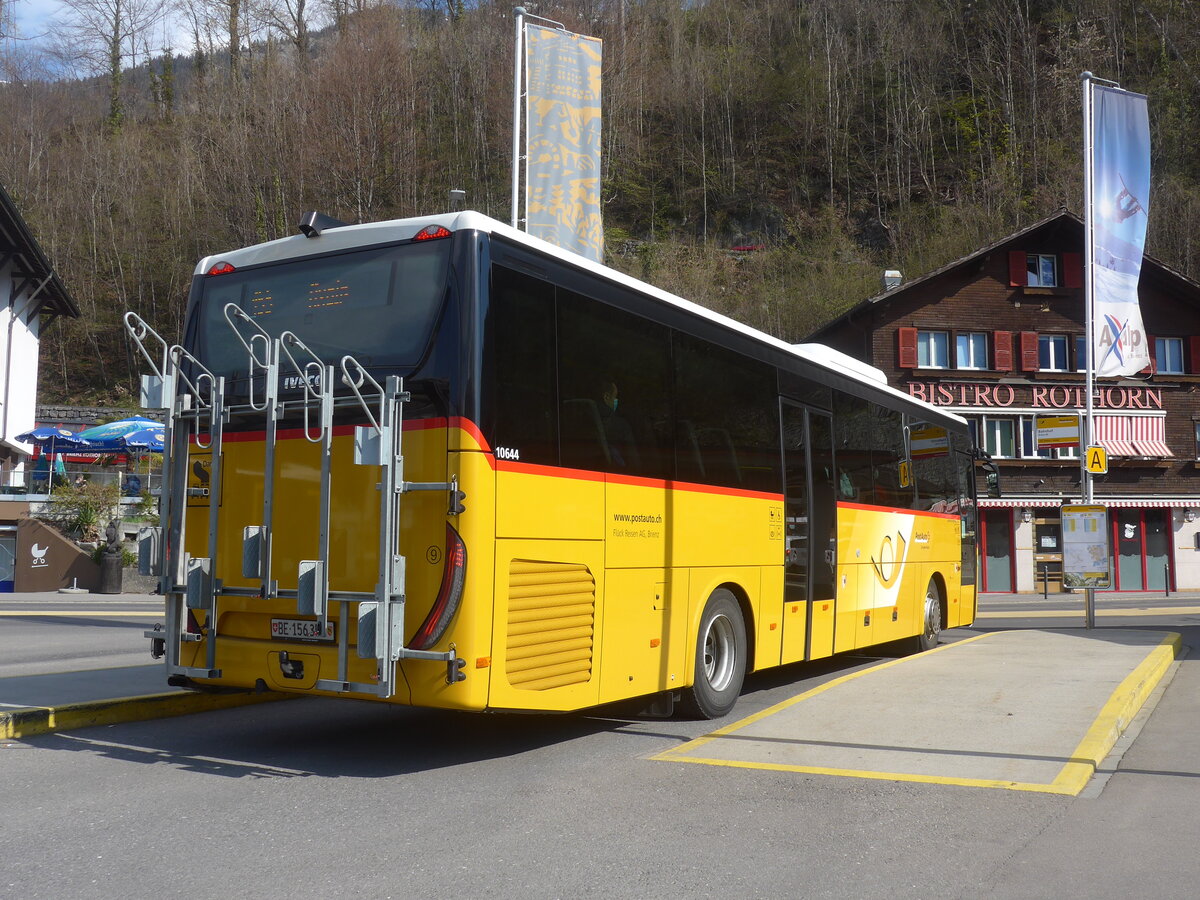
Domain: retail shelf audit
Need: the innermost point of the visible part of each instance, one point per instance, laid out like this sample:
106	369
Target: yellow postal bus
439	462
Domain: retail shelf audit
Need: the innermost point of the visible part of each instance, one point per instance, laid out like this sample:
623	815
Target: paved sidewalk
1027	710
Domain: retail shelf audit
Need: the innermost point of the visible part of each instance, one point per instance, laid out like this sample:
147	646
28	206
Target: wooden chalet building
997	337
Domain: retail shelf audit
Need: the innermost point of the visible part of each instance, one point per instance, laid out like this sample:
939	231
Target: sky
33	19
32	15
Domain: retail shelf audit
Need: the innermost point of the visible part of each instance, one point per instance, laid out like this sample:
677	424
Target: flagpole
519	17
1085	477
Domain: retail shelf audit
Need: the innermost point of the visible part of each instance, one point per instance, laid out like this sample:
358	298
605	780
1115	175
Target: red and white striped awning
1113	434
1155	502
1149	434
1131	435
1112	502
1013	503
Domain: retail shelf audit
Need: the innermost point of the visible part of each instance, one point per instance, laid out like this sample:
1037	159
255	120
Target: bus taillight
449	595
221	268
432	233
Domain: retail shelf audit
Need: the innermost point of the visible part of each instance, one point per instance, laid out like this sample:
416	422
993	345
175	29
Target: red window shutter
906	355
1018	268
1072	270
1029	351
1194	354
1152	351
1002	359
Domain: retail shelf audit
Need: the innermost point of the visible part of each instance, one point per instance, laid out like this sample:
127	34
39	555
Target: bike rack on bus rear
197	413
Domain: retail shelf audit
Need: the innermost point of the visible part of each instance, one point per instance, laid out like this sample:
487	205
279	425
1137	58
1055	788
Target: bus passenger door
810	536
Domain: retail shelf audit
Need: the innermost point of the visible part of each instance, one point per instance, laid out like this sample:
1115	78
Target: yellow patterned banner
562	115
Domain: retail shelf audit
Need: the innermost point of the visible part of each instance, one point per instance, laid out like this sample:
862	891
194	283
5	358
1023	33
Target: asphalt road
51	632
330	798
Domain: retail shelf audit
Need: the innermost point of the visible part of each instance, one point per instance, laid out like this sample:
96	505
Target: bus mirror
993	479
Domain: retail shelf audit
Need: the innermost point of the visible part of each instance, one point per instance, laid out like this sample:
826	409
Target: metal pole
1085	477
519	18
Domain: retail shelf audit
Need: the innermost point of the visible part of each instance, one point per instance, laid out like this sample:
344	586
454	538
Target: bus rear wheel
720	664
931	620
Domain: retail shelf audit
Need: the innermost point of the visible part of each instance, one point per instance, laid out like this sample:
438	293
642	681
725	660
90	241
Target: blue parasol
52	439
149	440
110	438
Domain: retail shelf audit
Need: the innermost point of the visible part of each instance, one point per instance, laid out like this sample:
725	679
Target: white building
31	296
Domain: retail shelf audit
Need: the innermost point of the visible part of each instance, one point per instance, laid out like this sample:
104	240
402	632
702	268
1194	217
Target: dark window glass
934	479
824	522
727	418
378	305
615	389
853	425
797	387
887	452
519	355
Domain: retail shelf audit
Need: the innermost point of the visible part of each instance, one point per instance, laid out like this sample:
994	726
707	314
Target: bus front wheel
720	658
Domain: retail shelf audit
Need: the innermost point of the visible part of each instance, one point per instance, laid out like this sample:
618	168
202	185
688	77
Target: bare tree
104	36
290	18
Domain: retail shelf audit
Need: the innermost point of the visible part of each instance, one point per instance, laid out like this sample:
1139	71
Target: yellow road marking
1112	720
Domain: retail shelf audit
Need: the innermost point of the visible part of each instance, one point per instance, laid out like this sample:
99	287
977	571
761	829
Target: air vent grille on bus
551	623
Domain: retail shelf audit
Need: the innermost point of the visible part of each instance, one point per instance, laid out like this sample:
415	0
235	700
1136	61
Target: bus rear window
377	305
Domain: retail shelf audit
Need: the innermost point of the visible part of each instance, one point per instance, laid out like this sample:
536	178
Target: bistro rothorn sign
1037	396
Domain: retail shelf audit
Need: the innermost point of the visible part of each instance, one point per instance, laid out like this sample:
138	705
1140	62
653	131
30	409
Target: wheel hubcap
933	616
719	653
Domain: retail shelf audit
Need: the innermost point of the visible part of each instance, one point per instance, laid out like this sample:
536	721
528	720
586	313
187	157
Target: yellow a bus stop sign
1097	460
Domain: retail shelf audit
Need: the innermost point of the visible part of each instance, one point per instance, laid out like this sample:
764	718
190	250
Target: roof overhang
31	271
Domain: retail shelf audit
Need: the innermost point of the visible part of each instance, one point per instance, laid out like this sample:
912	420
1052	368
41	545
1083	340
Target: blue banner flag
1120	202
562	203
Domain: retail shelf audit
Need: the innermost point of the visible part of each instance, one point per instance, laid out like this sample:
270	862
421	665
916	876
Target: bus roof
348	237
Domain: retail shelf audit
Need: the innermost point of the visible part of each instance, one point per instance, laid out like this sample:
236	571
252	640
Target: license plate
300	630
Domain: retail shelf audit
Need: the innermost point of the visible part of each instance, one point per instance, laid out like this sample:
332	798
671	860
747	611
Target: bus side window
852	423
887	452
521	408
618	363
728	418
688	461
584	444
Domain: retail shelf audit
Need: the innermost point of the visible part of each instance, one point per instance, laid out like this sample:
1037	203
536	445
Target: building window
1080	353
999	438
933	350
1052	353
1197	428
971	350
1168	355
1041	270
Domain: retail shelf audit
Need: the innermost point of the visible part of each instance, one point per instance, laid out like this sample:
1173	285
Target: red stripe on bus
899	509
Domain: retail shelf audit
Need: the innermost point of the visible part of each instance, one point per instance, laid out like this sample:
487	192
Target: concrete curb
1114	717
37	720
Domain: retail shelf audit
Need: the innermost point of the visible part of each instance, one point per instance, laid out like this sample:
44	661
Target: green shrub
128	557
82	511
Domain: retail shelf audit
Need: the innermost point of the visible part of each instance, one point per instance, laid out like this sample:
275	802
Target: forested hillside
843	136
